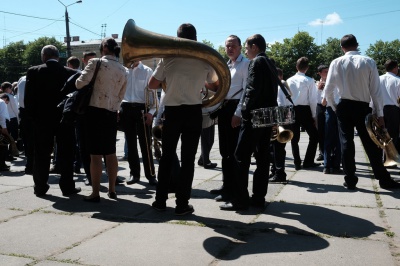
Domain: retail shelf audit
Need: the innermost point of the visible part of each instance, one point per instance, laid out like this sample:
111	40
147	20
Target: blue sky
368	20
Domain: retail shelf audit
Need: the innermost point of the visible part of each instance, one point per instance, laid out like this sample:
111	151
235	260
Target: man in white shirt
390	86
136	118
3	128
305	102
357	80
12	108
230	114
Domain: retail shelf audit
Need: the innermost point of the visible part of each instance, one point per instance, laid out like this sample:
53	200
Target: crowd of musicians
125	98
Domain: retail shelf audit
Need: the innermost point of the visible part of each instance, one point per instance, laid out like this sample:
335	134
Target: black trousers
131	119
251	140
44	132
82	139
26	127
352	114
181	122
207	141
392	122
228	139
321	127
304	118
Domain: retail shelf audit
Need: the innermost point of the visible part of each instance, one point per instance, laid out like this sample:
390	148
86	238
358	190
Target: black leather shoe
320	157
231	207
221	198
94	199
389	184
152	181
210	165
184	210
112	195
313	165
72	192
159	206
327	171
200	162
277	179
217	190
132	180
54	170
77	170
297	167
87	181
348	186
119	181
41	192
4	168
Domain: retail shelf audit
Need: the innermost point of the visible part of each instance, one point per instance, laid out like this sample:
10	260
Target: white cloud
330	19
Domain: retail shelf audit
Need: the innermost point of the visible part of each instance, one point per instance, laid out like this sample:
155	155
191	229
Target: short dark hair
111	45
90	53
6	85
280	71
187	31
4	96
74	62
258	40
348	41
390	65
235	37
302	63
322	67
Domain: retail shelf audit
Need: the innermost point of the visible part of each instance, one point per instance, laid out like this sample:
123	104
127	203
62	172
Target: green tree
329	51
12	65
286	54
33	49
382	51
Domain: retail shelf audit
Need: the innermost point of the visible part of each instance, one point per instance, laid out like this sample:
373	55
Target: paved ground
312	220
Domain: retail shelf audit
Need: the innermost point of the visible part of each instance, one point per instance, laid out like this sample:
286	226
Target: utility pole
68	41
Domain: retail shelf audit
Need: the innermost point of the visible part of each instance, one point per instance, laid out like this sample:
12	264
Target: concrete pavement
312	220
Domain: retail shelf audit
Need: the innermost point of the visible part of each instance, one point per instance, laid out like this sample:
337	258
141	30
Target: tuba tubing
383	140
139	44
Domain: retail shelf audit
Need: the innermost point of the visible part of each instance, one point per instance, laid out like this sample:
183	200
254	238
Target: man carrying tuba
183	119
136	117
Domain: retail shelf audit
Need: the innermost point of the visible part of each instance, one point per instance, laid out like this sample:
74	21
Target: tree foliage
382	51
329	51
287	53
12	65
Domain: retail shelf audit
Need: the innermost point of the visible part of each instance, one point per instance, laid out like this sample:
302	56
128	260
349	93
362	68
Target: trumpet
281	134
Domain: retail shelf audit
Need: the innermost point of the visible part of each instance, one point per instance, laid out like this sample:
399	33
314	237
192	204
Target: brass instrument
151	100
382	139
281	134
138	44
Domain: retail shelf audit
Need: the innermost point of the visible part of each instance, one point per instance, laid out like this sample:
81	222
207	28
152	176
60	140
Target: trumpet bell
139	44
282	135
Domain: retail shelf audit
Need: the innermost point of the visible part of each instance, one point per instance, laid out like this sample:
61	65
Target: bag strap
95	72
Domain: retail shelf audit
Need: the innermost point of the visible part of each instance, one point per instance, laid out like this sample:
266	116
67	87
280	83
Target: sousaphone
139	44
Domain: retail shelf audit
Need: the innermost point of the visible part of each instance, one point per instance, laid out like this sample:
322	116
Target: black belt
135	105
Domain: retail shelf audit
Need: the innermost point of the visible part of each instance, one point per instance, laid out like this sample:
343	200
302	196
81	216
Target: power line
28	16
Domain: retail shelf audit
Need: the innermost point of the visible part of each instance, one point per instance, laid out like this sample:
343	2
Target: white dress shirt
356	78
3	114
138	78
12	106
303	91
239	71
390	86
21	91
282	99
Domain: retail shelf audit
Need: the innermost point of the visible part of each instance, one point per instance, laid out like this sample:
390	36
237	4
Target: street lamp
67	26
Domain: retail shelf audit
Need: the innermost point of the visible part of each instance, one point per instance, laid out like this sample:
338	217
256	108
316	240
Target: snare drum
207	111
272	116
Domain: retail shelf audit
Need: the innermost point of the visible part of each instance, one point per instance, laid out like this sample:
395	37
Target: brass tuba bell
139	44
382	139
281	134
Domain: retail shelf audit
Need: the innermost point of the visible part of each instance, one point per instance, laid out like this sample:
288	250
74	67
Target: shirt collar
352	53
238	59
301	73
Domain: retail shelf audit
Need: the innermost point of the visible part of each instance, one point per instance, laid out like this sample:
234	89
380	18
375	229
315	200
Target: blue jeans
332	150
